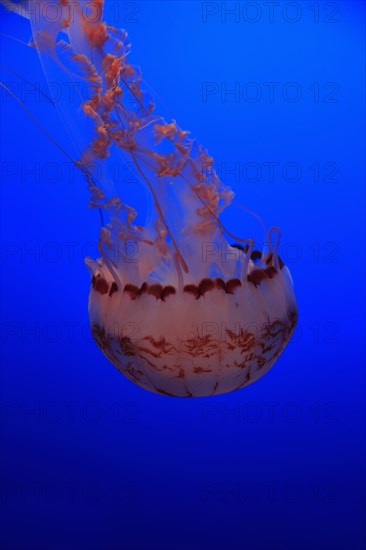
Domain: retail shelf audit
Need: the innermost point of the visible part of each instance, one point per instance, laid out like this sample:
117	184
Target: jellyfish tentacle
248	210
37	123
179	260
214	215
250	242
255	215
275	246
27	82
247	258
76	163
27	44
104	239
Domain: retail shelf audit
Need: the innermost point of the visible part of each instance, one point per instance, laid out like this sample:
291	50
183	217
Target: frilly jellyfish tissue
178	304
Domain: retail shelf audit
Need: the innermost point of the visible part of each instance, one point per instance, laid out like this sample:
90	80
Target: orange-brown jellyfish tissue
173	305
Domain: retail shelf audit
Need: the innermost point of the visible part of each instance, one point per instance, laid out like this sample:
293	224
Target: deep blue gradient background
90	461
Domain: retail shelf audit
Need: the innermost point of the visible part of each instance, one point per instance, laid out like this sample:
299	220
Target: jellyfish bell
178	304
212	336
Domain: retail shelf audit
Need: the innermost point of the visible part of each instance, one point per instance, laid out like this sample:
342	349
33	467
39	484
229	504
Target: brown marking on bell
197	346
248	378
242	365
161	347
206	285
155	290
101	338
163	392
220	283
201	370
161	344
232	285
132	290
150	362
98	334
261	362
269	261
266	349
270	271
113	289
272	329
100	285
244	340
241	247
144	289
292	316
126	345
135	375
257	276
256	255
192	289
167	291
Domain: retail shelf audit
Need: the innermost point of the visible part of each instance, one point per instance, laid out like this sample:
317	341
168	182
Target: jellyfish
178	304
